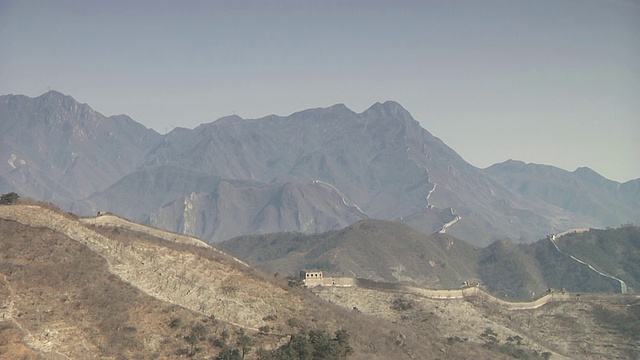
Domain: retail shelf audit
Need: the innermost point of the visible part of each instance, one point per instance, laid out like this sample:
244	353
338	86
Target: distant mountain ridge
235	176
385	165
583	191
57	149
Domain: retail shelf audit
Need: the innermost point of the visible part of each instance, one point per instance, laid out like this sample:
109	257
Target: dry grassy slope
71	291
149	267
448	317
590	327
63	300
59	302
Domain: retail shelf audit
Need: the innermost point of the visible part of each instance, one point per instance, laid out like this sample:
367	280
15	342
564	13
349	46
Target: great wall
463	293
39	217
211	288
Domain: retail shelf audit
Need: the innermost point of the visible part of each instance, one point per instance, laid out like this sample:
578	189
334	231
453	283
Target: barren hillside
558	326
76	291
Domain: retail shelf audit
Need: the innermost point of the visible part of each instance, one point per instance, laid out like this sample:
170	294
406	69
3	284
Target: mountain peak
339	107
590	175
229	119
388	109
61	101
339	110
53	95
334	111
511	163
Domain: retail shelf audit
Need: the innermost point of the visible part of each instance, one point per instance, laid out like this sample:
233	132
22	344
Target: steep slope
78	291
509	272
55	148
151	187
215	209
615	252
231	210
559	271
61	300
588	261
631	191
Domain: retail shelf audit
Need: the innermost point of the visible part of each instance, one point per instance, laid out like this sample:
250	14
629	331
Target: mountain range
312	171
56	149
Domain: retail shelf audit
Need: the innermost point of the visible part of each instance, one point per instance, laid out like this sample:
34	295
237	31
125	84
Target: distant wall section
317	278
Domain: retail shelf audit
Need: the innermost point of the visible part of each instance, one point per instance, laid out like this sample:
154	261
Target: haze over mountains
312	171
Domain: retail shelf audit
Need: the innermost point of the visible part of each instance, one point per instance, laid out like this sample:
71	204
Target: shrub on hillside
9	198
401	304
314	345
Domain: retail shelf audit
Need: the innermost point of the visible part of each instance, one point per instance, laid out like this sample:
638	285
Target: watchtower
312	278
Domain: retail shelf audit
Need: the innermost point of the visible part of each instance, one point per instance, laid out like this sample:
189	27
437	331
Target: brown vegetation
81	293
75	291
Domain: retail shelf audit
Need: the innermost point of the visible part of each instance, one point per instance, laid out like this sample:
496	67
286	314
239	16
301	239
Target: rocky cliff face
231	211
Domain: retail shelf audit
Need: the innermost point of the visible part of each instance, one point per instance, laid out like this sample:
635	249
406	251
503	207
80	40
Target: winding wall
475	292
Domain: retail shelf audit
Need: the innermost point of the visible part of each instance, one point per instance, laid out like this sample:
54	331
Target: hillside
105	287
582	327
86	291
393	252
379	250
215	209
615	252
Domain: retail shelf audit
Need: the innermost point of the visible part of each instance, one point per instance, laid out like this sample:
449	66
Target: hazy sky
546	81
